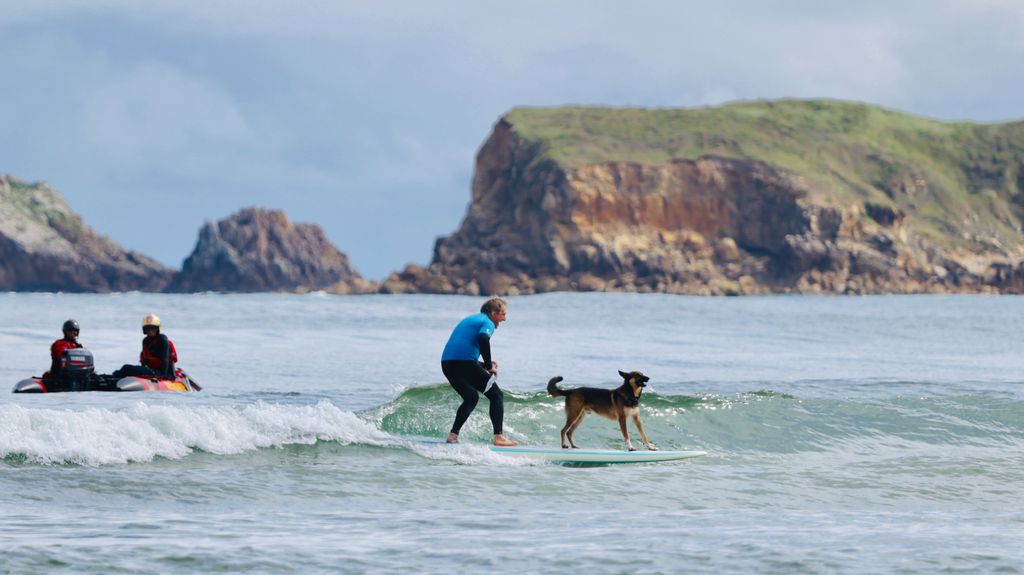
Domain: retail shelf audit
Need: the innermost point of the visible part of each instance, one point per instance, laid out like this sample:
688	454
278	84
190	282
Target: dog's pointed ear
623	374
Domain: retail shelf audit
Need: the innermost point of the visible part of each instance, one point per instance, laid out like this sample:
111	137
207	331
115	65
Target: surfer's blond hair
494	304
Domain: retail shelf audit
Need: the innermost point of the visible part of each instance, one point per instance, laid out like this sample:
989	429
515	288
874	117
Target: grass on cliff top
42	204
849	152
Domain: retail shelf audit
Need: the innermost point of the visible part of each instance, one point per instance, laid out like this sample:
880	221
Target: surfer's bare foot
502	441
453	438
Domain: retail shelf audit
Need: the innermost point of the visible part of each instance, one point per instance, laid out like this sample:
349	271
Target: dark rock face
710	225
44	246
258	250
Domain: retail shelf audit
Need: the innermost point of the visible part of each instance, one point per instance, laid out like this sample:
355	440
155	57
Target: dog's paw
651	447
631	448
565	446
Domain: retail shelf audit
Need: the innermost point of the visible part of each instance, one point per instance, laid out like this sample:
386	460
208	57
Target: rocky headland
44	246
258	250
789	196
762	197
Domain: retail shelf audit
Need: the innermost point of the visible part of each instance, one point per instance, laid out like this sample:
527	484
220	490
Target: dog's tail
553	390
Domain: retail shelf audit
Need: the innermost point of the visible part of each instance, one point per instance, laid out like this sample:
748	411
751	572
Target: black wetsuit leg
469	378
134	371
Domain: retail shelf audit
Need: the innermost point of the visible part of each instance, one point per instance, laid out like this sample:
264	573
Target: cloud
155	111
854	61
365	116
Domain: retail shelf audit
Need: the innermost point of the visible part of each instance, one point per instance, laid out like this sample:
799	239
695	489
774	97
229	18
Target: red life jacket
56	350
60	346
149	357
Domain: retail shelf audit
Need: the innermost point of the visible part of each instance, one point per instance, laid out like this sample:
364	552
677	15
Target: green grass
849	152
38	202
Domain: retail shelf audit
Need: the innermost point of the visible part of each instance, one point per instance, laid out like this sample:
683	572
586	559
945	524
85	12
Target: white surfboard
595	455
581	456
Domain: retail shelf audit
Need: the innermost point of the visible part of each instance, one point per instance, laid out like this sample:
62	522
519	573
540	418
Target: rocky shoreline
709	226
549	213
262	250
44	246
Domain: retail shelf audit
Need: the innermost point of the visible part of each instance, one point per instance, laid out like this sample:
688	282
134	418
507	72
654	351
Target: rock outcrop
44	246
612	200
259	250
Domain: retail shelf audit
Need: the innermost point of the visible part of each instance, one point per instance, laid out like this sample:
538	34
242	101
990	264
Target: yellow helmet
151	319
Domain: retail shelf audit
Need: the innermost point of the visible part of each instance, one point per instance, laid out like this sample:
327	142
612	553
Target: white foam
143	432
467	454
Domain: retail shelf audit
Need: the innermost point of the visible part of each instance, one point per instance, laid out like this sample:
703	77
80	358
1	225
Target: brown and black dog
614	404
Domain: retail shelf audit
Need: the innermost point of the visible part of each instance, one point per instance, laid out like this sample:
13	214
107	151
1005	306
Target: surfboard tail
553	390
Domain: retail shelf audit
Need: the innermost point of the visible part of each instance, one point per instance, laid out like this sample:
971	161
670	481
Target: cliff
787	196
258	250
44	246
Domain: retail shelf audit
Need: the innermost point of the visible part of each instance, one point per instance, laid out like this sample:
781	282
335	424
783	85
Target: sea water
844	435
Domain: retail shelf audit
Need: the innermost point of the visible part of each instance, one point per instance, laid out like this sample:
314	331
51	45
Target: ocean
844	435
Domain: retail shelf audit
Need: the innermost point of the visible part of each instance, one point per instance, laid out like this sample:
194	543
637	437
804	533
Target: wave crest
145	432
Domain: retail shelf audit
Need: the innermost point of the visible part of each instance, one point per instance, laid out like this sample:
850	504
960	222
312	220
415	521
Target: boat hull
181	382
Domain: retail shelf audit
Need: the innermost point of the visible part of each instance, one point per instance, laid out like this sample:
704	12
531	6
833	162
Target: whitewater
844	435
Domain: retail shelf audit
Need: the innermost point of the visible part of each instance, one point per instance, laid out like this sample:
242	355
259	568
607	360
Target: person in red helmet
158	352
69	341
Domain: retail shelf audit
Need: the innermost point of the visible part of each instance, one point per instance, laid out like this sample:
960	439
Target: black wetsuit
158	354
469	378
471	339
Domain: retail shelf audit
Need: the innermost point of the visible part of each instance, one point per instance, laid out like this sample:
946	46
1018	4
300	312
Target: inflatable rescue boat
77	374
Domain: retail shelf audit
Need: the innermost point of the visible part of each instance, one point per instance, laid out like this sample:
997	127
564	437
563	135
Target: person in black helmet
69	341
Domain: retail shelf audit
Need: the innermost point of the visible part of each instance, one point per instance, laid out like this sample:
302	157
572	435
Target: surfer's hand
494	368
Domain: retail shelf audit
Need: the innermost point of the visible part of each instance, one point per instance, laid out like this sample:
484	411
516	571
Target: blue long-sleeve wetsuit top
470	339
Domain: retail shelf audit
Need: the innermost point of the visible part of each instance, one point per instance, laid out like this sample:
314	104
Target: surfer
158	355
69	341
470	341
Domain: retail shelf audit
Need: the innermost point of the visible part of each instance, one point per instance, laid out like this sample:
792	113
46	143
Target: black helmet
71	325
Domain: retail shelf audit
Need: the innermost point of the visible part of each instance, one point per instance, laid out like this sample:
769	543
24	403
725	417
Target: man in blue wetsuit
470	341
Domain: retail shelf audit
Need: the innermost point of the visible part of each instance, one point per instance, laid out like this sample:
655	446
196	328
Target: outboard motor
77	363
76	368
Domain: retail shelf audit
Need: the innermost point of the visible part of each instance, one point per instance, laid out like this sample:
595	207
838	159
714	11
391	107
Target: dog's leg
572	428
625	432
572	417
643	435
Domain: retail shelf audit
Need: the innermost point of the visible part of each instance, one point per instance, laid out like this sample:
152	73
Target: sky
153	117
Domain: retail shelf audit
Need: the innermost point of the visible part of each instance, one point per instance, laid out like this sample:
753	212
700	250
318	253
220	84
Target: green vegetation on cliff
38	202
961	183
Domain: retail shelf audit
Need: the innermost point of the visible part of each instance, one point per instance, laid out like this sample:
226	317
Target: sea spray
142	432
